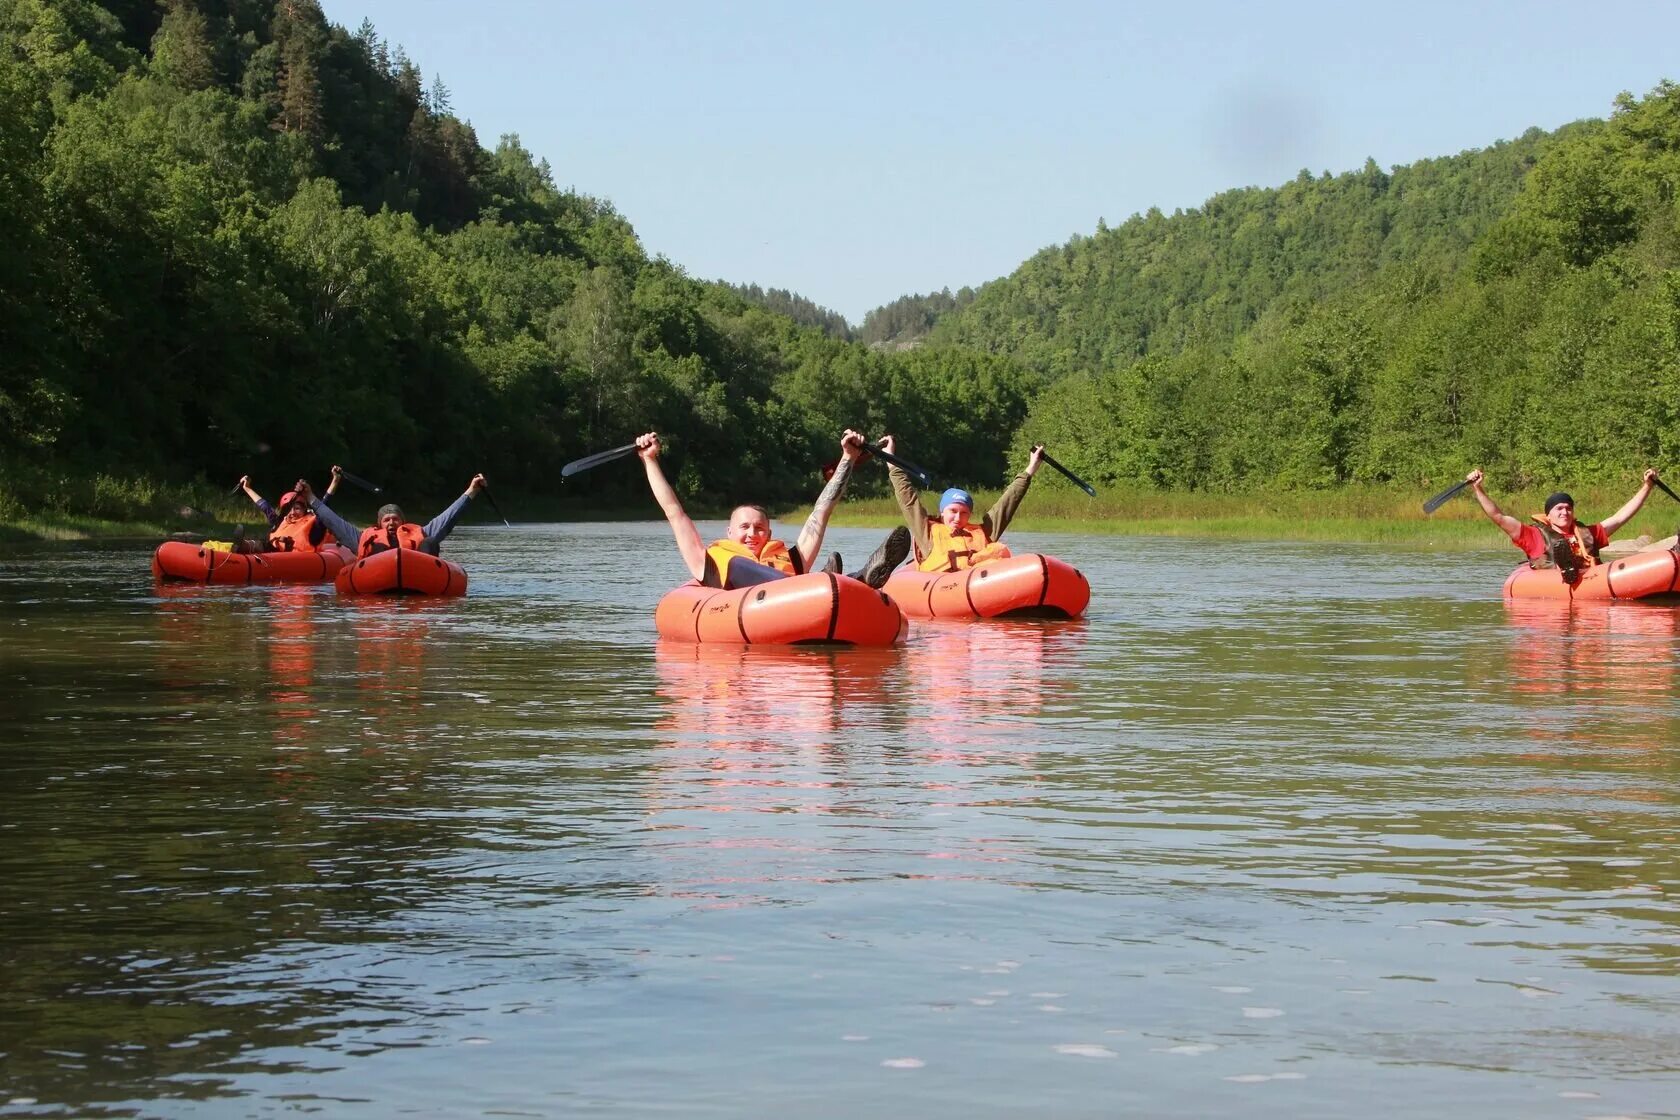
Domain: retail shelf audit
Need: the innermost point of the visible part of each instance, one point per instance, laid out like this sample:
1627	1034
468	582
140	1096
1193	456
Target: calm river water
1278	831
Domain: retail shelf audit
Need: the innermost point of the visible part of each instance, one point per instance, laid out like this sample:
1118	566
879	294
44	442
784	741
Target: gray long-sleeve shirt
434	531
994	523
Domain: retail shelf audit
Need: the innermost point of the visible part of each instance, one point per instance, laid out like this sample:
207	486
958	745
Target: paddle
1444	496
1044	456
494	506
1663	486
362	482
590	462
921	478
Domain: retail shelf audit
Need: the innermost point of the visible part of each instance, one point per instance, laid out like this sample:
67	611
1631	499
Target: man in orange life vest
393	531
1556	539
747	555
954	541
291	527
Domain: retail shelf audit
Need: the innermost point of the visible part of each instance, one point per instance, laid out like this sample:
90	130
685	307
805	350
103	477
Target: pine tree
182	51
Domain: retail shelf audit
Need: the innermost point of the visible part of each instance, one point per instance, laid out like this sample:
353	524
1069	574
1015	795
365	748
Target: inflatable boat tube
1031	585
816	607
1633	576
402	571
180	562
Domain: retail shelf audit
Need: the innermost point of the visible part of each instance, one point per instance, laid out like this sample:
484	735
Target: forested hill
1374	328
242	239
795	307
908	320
1159	285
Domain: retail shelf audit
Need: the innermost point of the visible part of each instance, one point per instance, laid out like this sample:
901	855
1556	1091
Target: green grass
93	508
1353	514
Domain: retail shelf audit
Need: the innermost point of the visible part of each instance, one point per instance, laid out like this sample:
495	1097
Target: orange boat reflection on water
1614	661
968	680
772	730
1598	649
390	636
292	642
748	699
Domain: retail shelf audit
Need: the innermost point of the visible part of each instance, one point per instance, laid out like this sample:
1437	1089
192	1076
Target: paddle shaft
1663	486
922	479
494	506
354	480
1044	456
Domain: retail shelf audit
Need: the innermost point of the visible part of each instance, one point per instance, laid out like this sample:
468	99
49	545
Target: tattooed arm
810	541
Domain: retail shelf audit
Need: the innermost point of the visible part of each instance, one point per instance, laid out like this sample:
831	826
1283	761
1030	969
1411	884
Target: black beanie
1554	499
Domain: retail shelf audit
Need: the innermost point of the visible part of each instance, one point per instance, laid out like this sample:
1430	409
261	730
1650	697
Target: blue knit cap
956	495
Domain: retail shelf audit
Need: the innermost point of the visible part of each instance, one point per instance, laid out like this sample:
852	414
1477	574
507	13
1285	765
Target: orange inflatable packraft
816	607
402	571
1028	585
180	562
1633	576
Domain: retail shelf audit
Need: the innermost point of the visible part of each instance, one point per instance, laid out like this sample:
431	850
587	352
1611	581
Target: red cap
287	499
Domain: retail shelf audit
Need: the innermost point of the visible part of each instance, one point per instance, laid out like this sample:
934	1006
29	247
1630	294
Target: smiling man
747	554
1555	539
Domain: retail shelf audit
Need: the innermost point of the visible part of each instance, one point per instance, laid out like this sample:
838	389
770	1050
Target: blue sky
858	152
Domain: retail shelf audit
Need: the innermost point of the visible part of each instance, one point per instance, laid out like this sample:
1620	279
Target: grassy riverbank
1368	515
103	509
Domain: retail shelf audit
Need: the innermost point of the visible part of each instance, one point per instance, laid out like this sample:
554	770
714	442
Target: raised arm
909	501
346	533
811	536
1625	514
997	518
688	537
439	527
267	510
332	487
1511	526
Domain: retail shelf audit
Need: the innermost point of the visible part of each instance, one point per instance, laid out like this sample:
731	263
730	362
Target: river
1276	831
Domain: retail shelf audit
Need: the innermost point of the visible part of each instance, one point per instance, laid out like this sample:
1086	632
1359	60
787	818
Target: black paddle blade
1073	478
588	462
354	480
1443	497
1663	486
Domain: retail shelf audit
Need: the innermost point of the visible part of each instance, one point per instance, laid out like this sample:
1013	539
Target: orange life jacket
408	535
953	550
293	533
774	554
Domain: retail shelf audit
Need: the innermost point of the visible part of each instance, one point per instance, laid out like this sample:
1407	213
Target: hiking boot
884	559
1563	559
832	568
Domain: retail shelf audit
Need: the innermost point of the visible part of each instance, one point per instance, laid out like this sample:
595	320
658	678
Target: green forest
241	239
